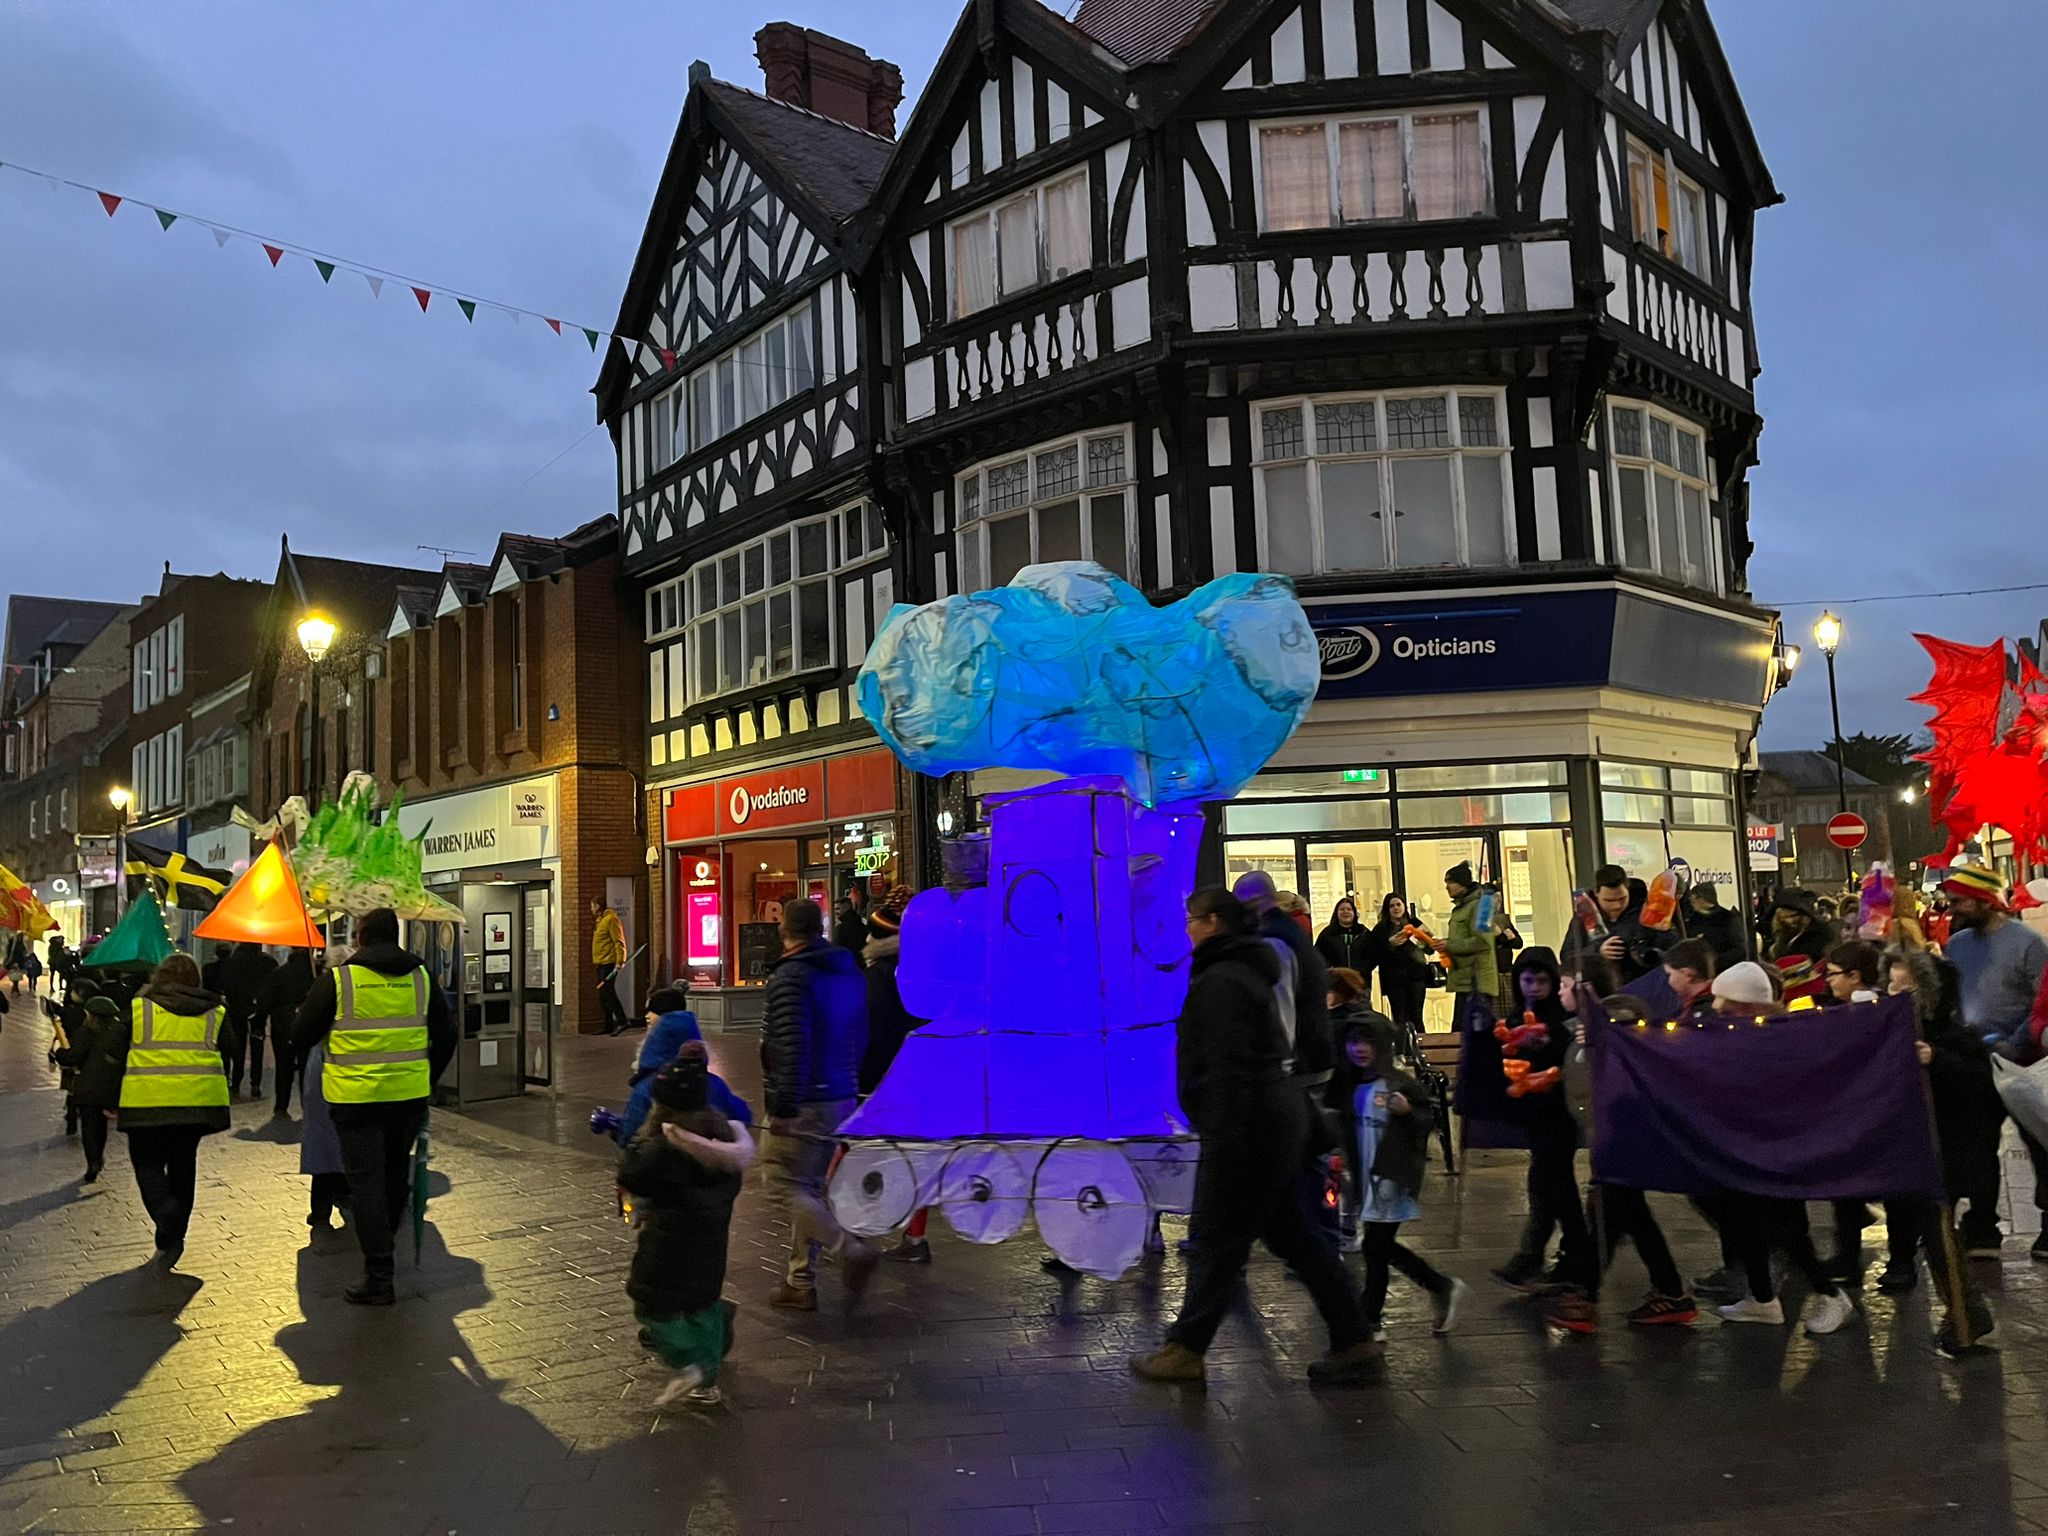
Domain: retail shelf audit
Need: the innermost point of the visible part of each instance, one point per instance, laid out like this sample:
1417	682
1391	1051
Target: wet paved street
506	1394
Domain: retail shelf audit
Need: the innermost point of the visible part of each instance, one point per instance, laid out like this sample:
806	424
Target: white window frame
696	425
174	765
174	656
1004	285
712	605
1459	452
974	499
1707	563
1332	139
863	534
156	667
668	608
1686	198
138	671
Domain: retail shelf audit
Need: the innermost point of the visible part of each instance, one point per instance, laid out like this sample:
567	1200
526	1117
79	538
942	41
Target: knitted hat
103	1007
684	1082
667	1000
1459	874
1977	881
1745	983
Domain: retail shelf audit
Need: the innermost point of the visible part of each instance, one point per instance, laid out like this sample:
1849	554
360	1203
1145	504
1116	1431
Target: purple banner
1825	1104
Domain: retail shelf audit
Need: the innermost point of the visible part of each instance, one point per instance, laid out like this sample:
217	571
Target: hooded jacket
1403	1152
1231	1050
671	1032
284	991
685	1210
1722	932
242	975
1475	966
1356	948
100	1080
1315	1052
316	1018
889	1022
815	1031
1642	949
1812	942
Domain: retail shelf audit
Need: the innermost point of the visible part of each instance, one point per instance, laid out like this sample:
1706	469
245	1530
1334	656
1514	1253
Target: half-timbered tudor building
750	525
1440	307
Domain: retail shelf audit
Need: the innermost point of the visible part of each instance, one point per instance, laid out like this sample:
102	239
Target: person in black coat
242	975
1231	1064
1969	1116
278	1000
1307	988
683	1167
1706	918
889	1022
88	1099
1621	939
1552	1129
1403	965
1346	943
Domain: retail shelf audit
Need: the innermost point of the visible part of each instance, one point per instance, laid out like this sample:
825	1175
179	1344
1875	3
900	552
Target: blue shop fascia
1533	732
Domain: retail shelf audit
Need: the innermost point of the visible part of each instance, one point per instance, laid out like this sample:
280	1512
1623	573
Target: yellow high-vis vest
173	1060
377	1050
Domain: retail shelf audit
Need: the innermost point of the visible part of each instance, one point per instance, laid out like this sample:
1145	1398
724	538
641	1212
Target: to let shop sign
1763	847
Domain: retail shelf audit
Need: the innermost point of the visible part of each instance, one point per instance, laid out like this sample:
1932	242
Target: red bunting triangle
668	358
422	294
555	326
275	253
110	202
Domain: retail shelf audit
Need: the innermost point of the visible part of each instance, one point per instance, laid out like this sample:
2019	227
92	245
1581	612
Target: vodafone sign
743	802
795	795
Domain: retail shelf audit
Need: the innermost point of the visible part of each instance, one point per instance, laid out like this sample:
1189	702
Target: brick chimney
830	77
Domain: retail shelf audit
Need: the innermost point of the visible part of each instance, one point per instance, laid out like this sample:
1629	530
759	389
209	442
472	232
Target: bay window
1383	482
762	611
1414	166
1667	211
1036	237
1662	496
767	369
1065	500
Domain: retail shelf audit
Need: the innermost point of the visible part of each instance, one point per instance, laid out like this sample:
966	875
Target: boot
1348	1367
1171	1362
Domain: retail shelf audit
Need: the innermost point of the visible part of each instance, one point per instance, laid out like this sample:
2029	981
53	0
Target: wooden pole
1958	1292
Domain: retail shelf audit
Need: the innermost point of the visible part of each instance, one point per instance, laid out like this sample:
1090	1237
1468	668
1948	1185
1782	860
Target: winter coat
1538	1109
1474	967
316	1018
685	1211
815	1031
242	975
1231	1049
1315	1050
1642	949
851	931
1403	1152
319	1142
1722	932
99	1082
1812	942
608	940
283	992
1353	948
1400	965
671	1032
1969	1115
82	1036
889	1022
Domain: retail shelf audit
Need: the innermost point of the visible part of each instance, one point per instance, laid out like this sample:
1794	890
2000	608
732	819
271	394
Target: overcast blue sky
162	399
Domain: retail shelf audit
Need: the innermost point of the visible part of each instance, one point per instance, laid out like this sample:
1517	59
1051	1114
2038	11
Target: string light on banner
326	264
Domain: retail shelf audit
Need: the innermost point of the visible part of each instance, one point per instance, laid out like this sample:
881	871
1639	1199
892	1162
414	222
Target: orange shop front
738	848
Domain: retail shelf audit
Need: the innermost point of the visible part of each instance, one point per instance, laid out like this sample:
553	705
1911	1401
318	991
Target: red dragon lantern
1989	761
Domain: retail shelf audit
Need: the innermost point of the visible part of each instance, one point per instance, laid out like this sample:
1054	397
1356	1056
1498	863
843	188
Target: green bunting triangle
166	219
468	308
326	269
589	336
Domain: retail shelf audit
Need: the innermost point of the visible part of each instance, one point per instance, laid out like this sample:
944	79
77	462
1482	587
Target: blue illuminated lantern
1044	1082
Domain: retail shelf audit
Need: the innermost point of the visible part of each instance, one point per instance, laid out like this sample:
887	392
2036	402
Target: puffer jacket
99	1082
1474	967
815	1031
685	1210
1315	1048
1231	1050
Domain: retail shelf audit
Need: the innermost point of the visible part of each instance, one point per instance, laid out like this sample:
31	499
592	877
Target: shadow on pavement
119	1326
29	1207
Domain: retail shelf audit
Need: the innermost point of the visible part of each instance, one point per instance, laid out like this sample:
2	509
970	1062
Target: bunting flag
275	251
139	942
19	908
185	881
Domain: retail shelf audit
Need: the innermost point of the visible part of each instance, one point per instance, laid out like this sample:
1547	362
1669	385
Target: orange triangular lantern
263	907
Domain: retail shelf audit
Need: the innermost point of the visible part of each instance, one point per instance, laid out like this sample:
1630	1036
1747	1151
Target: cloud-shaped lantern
1069	668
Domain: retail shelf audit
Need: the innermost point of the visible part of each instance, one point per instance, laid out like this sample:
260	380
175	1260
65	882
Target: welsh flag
19	908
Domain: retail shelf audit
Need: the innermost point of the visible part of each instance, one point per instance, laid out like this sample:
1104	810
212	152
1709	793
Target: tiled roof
1144	31
357	595
1617	18
835	164
1809	770
34	622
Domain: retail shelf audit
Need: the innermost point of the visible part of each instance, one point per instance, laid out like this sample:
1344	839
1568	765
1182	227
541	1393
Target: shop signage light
870	861
1361	775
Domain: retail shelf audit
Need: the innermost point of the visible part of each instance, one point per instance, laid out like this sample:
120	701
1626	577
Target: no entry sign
1848	830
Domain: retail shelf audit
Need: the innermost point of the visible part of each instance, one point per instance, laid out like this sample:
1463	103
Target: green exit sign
1361	775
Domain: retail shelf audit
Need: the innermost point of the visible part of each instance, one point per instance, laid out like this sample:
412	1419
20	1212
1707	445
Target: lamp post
118	797
1827	634
316	639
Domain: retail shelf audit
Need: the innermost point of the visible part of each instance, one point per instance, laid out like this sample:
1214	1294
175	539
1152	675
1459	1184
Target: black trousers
1851	1217
1384	1252
288	1066
1247	1189
244	1042
1625	1213
608	999
166	1160
1404	1005
330	1190
1752	1227
1554	1196
376	1149
92	1135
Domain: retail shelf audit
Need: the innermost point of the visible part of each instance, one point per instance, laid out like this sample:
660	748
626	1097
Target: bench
1438	1071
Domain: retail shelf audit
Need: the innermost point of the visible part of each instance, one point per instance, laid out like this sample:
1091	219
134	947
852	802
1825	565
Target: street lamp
1827	634
316	639
118	797
316	635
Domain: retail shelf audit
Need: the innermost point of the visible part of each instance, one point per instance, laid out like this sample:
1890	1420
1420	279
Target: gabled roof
1625	19
355	594
825	169
1810	770
34	622
1145	31
526	556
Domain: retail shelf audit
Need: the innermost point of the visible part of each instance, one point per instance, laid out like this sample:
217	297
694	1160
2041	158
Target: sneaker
689	1379
1352	1242
1656	1310
910	1251
1826	1314
858	1261
1750	1310
1722	1282
703	1397
1572	1312
1348	1367
92	1176
794	1298
1518	1272
1171	1362
1444	1308
1898	1278
371	1293
1377	1335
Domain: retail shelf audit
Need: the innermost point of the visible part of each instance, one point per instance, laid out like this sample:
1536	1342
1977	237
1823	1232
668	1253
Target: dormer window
1039	236
1667	211
1382	169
